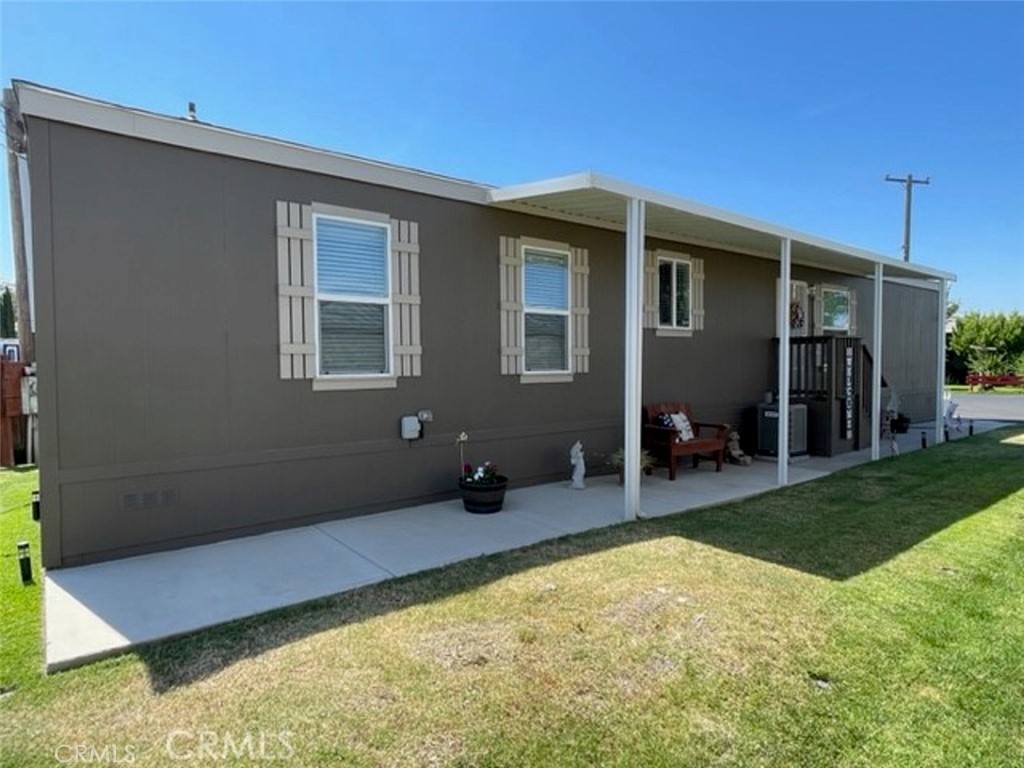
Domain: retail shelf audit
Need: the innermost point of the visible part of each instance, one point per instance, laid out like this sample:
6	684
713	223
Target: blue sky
792	113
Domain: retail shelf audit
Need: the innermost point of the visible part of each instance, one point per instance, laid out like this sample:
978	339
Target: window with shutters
349	296
545	310
353	297
673	293
546	303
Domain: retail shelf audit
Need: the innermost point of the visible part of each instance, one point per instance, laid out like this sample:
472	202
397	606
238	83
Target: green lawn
20	628
992	391
874	618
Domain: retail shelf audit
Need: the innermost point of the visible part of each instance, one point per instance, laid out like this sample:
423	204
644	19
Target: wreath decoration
797	315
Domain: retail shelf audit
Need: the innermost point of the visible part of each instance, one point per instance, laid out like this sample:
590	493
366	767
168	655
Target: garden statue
579	466
734	453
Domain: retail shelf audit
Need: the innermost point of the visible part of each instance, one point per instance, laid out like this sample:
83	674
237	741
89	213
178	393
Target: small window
546	310
835	309
674	291
353	297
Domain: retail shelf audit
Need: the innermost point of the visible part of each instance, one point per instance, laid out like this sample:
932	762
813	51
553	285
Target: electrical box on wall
411	428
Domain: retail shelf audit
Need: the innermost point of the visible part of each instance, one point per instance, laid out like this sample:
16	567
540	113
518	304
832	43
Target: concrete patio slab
409	540
97	610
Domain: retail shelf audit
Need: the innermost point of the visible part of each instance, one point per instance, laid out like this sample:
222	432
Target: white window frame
823	289
388	374
566	313
675	261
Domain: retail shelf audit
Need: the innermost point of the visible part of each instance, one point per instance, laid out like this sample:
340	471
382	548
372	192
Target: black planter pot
483	499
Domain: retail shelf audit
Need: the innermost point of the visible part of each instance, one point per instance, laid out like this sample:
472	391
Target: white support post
635	227
782	318
940	367
876	373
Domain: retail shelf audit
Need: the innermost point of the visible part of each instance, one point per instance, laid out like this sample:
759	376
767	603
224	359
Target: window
674	291
835	309
348	296
353	297
544	320
546	310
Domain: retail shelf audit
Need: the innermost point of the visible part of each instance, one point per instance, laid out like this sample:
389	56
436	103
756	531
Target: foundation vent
153	499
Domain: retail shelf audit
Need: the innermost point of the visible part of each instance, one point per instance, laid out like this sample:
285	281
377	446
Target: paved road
996	407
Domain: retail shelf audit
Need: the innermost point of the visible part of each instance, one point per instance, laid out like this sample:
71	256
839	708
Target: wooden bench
989	380
661	441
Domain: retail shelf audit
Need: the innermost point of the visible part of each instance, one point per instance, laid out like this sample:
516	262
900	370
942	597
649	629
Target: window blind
547	280
351	258
546	348
352	338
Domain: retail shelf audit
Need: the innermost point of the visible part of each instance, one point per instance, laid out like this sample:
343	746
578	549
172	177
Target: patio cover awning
638	212
597	200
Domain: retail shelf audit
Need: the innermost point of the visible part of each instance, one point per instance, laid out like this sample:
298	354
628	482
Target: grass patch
980	390
20	628
872	618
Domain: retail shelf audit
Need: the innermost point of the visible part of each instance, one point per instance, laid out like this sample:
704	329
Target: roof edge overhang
64	107
61	106
528	197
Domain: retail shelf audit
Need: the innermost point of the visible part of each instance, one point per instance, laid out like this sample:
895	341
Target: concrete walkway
98	610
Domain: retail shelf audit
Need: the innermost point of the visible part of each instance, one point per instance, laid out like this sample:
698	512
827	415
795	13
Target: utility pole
14	133
908	183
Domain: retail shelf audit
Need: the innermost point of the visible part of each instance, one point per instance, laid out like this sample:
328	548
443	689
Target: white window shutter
580	310
797	308
853	312
798	295
510	266
778	284
405	297
296	315
697	286
818	316
650	290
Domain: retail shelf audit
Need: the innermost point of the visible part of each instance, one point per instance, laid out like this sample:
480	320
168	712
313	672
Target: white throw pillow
683	425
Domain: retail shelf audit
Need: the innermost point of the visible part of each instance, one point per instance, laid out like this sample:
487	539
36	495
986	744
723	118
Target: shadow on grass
862	517
20	469
835	528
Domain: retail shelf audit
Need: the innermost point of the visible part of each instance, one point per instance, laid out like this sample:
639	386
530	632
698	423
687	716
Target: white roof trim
60	106
626	190
50	104
925	285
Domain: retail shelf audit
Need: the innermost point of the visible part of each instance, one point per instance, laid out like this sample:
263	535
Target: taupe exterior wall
910	330
156	275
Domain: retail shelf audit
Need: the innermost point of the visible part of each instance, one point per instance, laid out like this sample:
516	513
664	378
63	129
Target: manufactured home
237	333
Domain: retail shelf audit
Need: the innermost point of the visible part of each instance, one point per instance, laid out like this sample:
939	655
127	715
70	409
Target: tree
1018	364
989	342
7	329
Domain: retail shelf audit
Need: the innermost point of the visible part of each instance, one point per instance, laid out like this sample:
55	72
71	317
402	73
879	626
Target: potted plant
618	460
901	424
483	487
